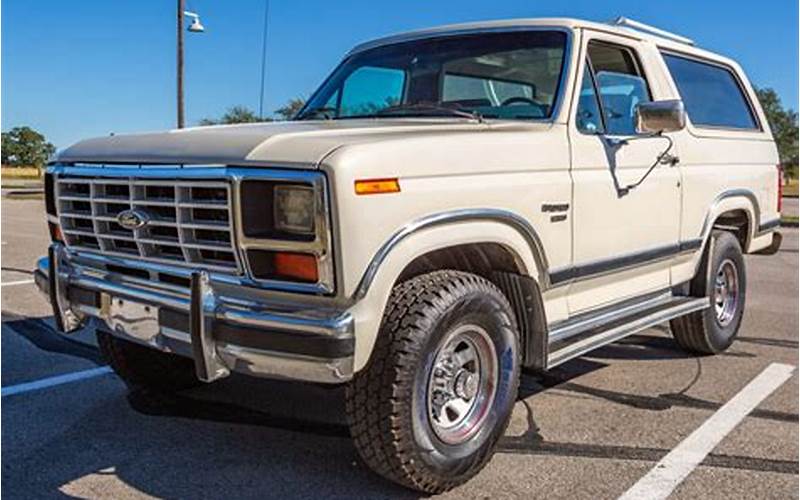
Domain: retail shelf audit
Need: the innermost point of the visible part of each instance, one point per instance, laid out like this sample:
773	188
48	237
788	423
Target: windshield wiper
472	115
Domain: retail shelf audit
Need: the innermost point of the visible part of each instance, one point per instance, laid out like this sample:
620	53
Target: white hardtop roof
543	22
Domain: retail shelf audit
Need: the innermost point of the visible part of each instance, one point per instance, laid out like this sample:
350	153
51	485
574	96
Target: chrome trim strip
272	364
606	337
593	269
732	193
550	278
321	246
470	214
768	226
573	326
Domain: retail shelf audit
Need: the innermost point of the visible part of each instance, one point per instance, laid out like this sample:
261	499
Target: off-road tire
700	332
389	422
143	368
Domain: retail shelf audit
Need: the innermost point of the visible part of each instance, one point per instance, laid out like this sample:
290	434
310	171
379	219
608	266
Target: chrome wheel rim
726	292
462	384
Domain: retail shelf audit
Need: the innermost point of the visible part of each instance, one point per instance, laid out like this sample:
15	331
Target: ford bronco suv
450	207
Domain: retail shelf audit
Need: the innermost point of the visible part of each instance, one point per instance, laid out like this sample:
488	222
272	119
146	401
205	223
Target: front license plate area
131	318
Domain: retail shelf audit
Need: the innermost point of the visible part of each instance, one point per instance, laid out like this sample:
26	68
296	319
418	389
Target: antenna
624	22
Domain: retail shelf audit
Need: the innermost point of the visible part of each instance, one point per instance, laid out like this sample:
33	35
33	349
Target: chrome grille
189	221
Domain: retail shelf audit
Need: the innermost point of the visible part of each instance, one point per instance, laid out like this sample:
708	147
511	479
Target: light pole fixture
195	27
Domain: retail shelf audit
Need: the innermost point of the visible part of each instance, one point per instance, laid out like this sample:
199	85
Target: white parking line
12	283
54	381
682	460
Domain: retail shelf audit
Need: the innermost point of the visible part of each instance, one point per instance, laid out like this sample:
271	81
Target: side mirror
660	116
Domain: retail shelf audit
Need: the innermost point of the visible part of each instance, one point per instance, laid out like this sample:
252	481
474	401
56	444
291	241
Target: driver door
622	242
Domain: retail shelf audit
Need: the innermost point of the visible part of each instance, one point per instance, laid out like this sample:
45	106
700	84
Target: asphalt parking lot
590	429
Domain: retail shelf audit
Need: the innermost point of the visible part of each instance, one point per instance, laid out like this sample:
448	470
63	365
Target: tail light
780	187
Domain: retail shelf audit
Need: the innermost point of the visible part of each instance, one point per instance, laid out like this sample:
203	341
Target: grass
789	220
20	174
790	189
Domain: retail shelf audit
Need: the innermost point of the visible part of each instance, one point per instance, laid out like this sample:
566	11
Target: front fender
372	294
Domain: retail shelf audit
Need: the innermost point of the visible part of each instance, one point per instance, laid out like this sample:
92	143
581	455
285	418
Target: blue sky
75	69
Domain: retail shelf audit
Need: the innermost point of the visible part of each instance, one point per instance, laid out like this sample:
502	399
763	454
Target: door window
615	73
589	119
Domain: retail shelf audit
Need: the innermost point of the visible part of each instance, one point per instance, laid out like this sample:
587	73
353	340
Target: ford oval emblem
133	219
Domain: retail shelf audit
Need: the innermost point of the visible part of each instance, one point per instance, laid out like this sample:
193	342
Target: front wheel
723	280
437	393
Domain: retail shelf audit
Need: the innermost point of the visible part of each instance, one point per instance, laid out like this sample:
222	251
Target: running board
563	348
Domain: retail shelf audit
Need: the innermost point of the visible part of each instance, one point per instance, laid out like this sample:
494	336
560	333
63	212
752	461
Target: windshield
512	75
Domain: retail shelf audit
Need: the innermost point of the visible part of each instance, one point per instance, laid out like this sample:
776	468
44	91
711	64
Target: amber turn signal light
55	232
377	186
300	266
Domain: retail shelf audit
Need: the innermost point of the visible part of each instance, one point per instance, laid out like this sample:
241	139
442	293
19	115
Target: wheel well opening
477	258
499	265
736	222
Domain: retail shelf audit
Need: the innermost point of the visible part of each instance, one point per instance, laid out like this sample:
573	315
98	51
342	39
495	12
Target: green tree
235	114
25	147
288	110
783	123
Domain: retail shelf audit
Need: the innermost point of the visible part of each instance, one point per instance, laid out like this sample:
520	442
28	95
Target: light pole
263	61
195	27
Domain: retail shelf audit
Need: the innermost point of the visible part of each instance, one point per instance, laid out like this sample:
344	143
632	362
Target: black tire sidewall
725	247
492	314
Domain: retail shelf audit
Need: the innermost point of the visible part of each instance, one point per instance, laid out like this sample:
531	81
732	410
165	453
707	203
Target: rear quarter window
712	94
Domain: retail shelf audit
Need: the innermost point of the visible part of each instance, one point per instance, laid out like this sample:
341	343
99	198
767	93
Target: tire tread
380	394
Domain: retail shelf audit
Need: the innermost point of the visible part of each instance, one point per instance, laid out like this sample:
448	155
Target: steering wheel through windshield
519	100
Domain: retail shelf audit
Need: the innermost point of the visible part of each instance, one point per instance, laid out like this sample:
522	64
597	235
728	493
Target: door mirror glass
660	116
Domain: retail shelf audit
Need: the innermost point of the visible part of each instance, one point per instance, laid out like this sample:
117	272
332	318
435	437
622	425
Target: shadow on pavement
247	437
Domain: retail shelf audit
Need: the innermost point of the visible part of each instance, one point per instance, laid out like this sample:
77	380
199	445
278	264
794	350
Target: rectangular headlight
294	209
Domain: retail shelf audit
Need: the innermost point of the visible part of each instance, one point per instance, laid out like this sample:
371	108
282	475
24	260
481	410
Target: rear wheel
723	280
143	368
437	393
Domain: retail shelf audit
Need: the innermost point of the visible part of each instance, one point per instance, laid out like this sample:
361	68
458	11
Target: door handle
670	160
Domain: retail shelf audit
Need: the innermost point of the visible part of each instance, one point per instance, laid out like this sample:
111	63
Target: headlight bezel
257	234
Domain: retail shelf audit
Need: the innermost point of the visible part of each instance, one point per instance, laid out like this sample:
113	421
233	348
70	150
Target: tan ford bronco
451	206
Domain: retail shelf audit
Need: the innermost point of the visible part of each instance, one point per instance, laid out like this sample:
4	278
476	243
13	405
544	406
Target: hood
298	144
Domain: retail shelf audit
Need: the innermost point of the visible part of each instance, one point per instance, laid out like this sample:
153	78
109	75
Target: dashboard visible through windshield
504	75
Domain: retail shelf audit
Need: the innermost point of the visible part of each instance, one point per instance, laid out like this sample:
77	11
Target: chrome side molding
470	214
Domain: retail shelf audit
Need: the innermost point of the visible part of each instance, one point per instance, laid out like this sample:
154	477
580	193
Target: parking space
592	428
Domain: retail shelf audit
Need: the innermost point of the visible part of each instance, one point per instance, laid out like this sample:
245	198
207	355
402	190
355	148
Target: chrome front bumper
218	328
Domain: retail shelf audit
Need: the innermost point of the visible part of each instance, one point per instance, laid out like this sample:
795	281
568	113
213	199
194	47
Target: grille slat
189	224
